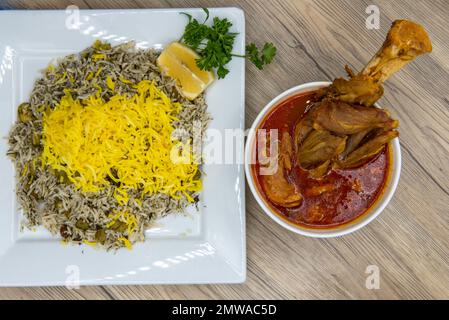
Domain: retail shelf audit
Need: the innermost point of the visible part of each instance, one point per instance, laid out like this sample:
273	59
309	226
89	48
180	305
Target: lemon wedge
188	57
179	62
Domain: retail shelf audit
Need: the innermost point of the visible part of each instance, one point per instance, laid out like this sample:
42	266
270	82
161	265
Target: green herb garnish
214	44
263	58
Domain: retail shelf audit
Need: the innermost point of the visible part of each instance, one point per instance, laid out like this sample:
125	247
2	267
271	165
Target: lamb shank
344	129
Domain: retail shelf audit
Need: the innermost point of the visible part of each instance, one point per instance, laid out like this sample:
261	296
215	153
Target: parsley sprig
214	45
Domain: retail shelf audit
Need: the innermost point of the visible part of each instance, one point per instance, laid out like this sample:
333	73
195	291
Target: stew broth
339	197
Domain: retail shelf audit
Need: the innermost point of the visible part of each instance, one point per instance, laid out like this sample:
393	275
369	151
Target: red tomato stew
342	195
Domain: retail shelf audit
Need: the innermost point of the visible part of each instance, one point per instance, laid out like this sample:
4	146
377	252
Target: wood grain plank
53	293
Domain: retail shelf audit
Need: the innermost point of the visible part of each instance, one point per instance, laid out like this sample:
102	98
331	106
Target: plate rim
239	275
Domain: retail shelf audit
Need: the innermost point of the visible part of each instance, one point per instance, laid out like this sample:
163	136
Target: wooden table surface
409	242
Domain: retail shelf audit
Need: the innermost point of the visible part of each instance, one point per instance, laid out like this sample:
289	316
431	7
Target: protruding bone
405	41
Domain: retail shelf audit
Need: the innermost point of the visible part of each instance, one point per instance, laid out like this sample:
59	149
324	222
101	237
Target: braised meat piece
276	186
345	110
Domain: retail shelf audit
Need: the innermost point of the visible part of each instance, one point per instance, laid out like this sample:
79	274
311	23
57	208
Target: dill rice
111	214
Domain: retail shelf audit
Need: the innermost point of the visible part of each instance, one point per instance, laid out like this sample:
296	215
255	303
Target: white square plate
205	247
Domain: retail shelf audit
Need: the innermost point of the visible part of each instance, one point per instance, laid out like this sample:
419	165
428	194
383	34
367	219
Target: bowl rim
337	231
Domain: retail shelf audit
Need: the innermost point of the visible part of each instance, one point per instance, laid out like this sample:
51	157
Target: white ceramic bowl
352	226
